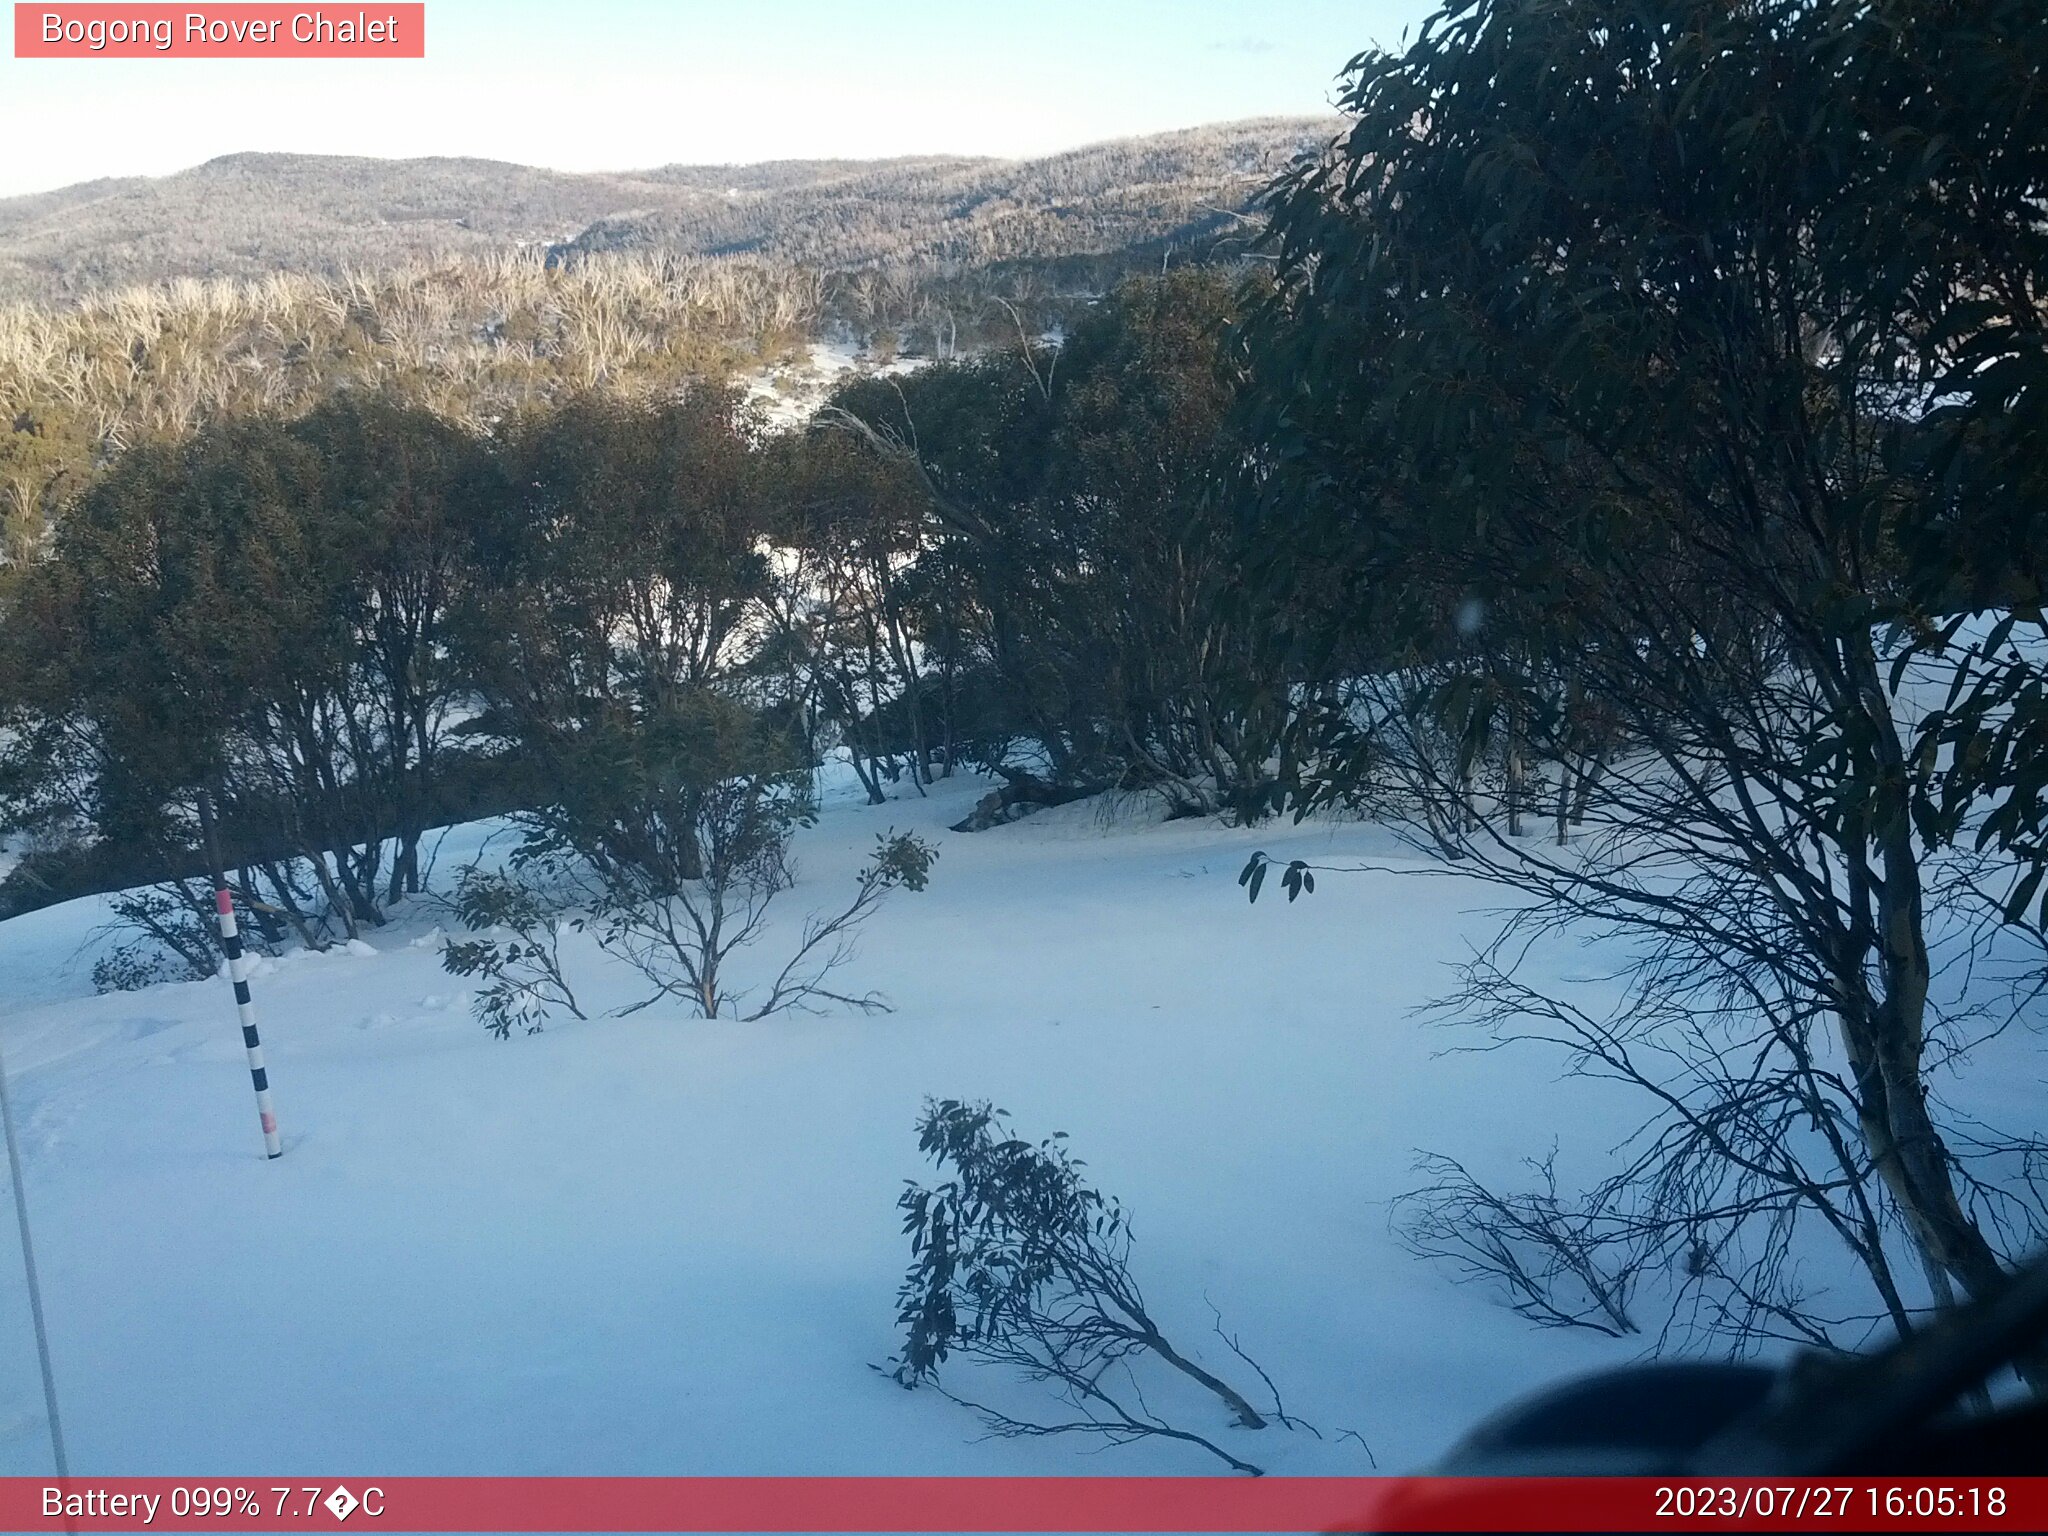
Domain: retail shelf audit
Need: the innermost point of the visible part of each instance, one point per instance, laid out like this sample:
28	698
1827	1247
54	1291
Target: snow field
657	1245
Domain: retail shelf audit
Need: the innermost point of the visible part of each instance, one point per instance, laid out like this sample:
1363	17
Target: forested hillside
249	215
1186	188
266	282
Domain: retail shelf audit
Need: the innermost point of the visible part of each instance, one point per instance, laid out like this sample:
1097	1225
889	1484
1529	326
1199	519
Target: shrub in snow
1017	1261
1558	1261
171	939
675	806
136	965
524	970
681	937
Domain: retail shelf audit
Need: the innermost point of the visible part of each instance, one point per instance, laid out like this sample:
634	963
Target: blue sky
617	84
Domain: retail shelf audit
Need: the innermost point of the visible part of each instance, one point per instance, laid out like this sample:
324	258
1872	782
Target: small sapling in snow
1016	1260
525	969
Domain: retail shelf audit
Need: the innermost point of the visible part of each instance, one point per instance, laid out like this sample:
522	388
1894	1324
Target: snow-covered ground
663	1246
791	392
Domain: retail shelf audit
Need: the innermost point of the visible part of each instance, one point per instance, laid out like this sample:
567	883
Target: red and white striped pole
238	972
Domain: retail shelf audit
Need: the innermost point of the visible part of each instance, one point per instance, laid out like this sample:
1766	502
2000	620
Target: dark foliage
1016	1260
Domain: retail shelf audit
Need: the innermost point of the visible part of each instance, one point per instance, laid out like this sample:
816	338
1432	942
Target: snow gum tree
619	636
1596	374
1087	499
254	612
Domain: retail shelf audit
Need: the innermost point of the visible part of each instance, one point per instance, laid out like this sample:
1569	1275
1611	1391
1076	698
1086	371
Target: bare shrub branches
1559	1265
682	935
1751	1138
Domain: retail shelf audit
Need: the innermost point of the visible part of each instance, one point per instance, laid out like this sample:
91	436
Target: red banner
992	1504
377	31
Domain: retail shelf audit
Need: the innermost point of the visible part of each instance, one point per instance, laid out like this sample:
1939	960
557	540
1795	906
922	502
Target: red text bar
376	31
1003	1504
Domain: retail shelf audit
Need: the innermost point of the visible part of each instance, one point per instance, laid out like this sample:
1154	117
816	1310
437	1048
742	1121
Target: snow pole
238	973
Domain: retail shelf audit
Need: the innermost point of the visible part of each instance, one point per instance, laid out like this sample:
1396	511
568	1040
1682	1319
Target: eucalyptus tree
1585	385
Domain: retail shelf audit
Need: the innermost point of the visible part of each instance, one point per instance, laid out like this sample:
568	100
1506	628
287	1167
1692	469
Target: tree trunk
1887	1045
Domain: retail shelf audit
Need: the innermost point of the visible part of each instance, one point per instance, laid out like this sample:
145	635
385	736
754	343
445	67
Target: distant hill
250	214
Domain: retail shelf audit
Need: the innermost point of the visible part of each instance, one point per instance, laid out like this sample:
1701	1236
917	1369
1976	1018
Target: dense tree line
471	340
1089	502
478	339
260	611
352	626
